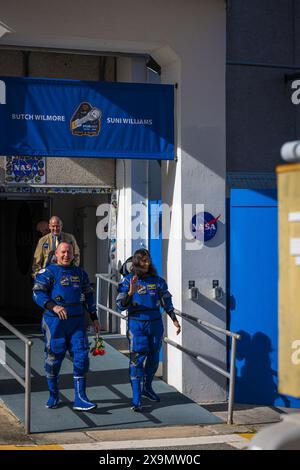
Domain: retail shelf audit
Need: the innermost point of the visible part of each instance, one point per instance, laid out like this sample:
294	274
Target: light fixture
4	29
290	77
152	65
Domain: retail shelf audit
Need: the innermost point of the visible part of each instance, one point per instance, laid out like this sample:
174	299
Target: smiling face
64	254
142	263
55	226
145	263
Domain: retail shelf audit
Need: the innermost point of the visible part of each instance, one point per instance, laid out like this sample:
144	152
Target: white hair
55	217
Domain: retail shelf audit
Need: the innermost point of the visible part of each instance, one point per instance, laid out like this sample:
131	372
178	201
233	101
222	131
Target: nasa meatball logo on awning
86	120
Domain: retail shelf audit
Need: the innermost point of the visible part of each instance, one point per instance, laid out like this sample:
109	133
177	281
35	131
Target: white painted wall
188	40
131	180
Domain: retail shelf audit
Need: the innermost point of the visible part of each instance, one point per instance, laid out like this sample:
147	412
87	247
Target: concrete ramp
108	386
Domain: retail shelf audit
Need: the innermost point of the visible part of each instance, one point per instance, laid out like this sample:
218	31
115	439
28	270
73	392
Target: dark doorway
18	239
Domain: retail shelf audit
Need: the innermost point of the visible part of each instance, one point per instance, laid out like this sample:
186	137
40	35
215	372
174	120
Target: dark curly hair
135	268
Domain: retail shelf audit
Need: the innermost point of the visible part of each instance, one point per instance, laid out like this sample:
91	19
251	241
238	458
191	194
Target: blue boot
136	394
148	391
81	402
53	389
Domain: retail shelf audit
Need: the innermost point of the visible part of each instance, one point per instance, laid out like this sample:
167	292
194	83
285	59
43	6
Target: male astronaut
64	290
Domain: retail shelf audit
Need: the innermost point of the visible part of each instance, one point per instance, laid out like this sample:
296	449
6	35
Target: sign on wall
70	118
204	226
29	170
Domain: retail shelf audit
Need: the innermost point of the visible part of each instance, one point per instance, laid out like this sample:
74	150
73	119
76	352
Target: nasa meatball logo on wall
29	170
204	226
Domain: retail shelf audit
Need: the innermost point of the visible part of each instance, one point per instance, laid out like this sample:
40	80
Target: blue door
254	296
155	240
154	235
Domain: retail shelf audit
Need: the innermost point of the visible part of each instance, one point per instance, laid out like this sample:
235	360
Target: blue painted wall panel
155	240
155	237
254	296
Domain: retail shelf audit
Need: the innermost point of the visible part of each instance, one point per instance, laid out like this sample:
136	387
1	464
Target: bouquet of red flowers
98	349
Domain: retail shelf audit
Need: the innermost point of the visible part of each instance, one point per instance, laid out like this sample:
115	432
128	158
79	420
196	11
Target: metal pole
115	321
206	324
196	356
13	330
97	295
110	310
27	385
231	382
109	318
107	279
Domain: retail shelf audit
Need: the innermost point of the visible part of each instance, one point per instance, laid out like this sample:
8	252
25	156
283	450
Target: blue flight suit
68	286
144	328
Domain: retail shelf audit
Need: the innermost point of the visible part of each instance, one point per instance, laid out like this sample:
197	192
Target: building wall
132	181
80	171
198	177
263	46
188	40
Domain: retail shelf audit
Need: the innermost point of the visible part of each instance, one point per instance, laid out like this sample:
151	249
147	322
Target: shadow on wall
216	308
219	238
256	381
211	150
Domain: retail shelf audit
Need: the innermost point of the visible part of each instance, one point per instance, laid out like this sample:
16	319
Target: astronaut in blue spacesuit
142	293
64	291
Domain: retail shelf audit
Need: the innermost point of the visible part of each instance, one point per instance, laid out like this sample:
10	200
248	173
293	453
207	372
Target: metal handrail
198	357
229	375
206	324
234	336
232	371
27	382
105	278
110	310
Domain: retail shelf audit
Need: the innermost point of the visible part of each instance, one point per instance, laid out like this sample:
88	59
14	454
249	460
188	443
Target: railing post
115	321
27	385
98	280
231	381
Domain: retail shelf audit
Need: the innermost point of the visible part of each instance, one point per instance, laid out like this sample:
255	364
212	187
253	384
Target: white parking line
233	439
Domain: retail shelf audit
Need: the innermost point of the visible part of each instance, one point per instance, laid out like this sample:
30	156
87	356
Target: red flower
99	348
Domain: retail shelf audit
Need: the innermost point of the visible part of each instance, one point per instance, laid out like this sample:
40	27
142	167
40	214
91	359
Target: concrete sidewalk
248	419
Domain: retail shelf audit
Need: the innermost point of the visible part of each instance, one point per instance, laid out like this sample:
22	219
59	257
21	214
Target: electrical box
193	291
217	291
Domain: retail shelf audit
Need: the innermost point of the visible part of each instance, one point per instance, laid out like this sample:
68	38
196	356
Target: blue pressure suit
69	287
144	330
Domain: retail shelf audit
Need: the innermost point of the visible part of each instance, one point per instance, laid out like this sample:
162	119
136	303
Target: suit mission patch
141	290
151	289
65	281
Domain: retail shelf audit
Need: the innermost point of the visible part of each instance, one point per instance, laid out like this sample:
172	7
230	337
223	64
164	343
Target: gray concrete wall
76	171
260	117
263	42
260	30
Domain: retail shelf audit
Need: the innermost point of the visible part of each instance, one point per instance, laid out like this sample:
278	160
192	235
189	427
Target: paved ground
248	419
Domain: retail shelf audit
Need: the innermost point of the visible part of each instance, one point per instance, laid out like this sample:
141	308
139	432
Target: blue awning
70	118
